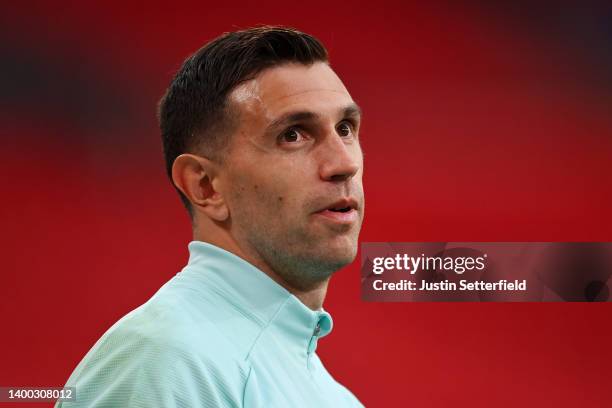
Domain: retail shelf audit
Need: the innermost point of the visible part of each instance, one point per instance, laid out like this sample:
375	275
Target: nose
340	160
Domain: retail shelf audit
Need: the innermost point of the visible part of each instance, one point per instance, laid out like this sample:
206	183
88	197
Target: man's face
293	172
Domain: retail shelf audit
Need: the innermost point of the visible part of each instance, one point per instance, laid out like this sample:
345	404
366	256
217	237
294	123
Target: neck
312	298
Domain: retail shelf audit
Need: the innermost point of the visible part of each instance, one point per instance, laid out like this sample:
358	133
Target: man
261	141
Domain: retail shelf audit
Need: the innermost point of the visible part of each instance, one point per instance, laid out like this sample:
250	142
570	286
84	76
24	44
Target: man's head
260	139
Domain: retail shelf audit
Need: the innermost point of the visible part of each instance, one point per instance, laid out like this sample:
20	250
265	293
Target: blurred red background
482	123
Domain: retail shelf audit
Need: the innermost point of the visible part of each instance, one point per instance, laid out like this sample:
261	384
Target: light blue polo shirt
220	333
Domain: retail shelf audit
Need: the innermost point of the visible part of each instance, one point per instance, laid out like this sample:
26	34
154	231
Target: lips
343	205
343	211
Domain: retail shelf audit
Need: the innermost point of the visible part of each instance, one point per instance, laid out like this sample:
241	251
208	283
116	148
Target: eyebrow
350	111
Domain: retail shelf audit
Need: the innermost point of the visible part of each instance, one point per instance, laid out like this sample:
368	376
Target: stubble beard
295	256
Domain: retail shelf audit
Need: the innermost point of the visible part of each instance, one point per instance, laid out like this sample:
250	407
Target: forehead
290	86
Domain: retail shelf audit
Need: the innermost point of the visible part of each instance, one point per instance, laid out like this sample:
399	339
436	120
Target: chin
317	263
340	253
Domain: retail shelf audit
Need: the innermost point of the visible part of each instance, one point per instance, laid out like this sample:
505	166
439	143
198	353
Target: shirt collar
258	296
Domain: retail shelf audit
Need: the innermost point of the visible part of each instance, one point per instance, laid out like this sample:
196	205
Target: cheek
276	194
272	198
254	195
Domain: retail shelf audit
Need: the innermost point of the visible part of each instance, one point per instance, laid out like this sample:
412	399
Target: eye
291	135
344	129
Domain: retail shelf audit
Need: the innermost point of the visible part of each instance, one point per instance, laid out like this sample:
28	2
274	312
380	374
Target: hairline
230	115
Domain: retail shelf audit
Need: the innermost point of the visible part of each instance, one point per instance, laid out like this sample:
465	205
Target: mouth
343	205
343	211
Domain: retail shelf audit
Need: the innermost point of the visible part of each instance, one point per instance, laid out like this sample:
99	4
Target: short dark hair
194	115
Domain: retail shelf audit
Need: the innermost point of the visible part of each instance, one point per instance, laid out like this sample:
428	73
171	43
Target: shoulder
158	355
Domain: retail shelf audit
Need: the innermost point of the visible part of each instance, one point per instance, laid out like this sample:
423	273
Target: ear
196	176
